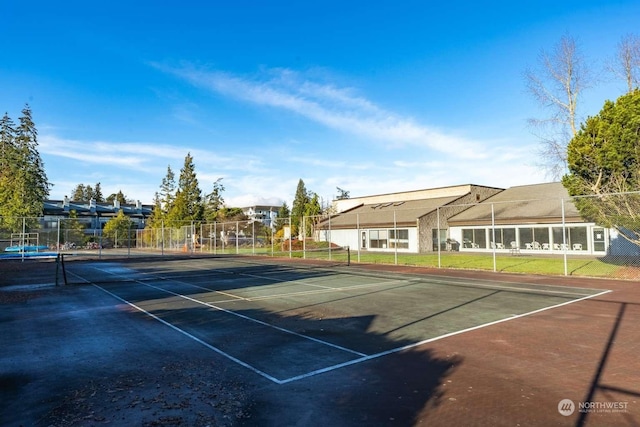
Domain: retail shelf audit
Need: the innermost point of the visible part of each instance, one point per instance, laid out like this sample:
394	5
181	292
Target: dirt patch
177	394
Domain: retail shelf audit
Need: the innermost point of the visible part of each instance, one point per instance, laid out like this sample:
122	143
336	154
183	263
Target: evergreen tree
604	161
298	209
157	215
83	192
35	186
214	201
89	193
312	212
187	205
168	190
97	193
8	153
119	196
283	216
79	193
23	181
7	143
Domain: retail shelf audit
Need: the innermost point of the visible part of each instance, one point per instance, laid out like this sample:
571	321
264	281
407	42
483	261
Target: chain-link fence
585	236
233	237
46	236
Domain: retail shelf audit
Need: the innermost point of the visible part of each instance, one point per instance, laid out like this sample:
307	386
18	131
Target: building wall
354	239
579	239
432	221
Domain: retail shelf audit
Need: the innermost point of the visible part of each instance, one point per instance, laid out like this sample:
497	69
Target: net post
57	267
348	256
64	269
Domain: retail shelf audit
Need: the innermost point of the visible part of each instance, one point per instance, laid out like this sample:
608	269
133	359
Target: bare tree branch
557	84
626	63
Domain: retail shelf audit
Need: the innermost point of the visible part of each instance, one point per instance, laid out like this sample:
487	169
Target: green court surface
289	322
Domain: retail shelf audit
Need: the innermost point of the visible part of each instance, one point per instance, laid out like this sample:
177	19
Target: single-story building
539	218
406	221
534	218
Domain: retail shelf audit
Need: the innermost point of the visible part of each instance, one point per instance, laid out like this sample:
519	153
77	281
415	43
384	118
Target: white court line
409	346
227	294
365	358
473	284
193	337
242	316
324	289
339	289
255	276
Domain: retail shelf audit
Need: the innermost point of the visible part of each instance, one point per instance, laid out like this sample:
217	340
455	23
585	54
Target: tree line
23	181
182	201
87	192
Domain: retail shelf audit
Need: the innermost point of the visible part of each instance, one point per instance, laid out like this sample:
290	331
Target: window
399	238
576	239
474	238
504	237
378	239
439	237
598	240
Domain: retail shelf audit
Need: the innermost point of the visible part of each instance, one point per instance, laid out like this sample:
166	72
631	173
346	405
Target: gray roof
85	208
382	214
538	203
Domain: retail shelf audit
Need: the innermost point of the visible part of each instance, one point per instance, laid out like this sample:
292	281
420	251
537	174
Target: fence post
329	237
395	237
290	237
564	240
100	243
58	238
493	236
358	234
24	228
438	236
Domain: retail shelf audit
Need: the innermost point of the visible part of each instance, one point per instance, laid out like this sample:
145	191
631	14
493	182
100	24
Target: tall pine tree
7	143
8	154
187	205
23	181
167	191
298	208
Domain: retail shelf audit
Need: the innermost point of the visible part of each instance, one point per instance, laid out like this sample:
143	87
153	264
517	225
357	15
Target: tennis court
289	322
313	342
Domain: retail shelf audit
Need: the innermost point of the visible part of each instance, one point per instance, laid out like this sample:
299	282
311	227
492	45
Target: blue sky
371	97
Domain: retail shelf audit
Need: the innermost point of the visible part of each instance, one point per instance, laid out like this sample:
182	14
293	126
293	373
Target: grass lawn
583	266
529	264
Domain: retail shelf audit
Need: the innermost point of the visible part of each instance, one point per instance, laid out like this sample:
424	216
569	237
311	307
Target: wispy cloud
338	108
142	157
